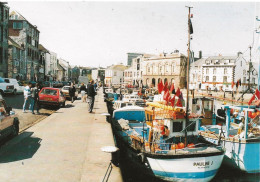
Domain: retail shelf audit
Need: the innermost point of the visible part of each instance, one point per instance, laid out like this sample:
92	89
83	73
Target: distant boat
164	158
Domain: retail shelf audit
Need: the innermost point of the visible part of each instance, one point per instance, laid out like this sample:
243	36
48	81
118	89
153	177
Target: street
26	119
63	147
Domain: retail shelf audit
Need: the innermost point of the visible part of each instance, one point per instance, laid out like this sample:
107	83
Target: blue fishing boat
240	136
142	135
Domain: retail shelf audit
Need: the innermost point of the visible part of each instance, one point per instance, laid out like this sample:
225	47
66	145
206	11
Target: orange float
181	145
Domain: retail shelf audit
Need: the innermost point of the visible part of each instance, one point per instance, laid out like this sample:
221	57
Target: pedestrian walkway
65	146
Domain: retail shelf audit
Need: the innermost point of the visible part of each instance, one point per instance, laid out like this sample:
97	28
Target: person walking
83	92
27	96
91	95
95	87
35	98
72	91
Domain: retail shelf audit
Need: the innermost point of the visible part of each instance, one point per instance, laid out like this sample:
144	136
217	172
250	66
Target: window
1	55
172	69
214	79
1	34
17	25
244	72
225	70
115	73
207	78
176	126
191	126
160	69
253	80
149	69
224	79
207	71
214	71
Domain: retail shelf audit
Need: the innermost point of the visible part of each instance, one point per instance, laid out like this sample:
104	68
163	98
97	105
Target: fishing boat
240	136
140	134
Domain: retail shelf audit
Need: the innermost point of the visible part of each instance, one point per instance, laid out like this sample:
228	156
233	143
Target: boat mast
187	75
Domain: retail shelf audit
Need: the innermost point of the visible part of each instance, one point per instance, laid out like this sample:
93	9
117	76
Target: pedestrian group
31	96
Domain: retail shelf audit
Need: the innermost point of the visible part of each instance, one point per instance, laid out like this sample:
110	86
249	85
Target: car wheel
63	104
2	92
14	92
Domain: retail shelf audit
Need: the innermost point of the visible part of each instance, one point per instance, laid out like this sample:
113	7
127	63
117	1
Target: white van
18	87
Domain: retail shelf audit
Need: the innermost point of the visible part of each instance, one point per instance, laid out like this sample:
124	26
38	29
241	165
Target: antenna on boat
190	31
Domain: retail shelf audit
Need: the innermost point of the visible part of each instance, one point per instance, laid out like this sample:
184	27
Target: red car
51	96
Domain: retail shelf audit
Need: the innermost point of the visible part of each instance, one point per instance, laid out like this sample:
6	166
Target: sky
96	34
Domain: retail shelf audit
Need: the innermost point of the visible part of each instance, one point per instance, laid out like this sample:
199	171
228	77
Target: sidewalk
66	146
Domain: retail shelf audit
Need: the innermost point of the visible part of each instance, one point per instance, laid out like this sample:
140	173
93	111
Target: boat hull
186	169
244	156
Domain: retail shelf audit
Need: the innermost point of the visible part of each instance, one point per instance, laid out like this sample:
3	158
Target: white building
114	75
98	74
217	71
66	66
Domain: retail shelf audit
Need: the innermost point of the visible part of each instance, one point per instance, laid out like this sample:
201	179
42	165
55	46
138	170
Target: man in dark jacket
72	91
91	96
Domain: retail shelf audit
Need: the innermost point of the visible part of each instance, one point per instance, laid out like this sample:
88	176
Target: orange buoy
174	146
181	145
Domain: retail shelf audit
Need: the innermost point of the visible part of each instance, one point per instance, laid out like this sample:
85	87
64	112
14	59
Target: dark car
45	84
65	83
51	97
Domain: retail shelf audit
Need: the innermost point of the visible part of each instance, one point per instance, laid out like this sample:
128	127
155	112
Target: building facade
165	67
4	19
98	74
131	56
220	71
44	59
114	75
16	64
27	36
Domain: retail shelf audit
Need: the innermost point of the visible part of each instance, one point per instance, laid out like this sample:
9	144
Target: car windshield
49	92
65	88
7	80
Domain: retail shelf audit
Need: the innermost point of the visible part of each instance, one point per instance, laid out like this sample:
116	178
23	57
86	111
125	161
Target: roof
163	56
13	43
62	65
119	67
198	62
42	48
221	57
21	17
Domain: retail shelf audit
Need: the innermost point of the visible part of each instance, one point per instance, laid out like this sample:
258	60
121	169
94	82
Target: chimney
239	54
200	54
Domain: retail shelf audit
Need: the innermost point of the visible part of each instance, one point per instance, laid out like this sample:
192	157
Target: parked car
46	84
57	84
64	83
65	91
8	119
18	87
51	97
6	88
